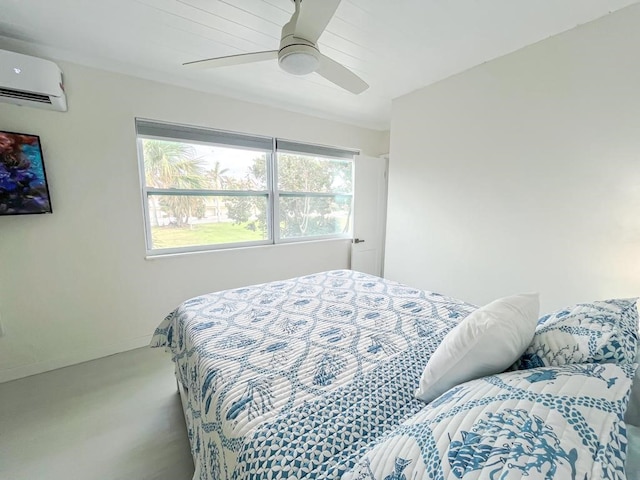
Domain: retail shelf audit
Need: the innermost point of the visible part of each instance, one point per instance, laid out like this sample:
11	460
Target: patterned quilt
550	423
297	377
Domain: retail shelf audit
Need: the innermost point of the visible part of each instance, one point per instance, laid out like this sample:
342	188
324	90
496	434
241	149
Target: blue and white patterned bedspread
297	377
551	423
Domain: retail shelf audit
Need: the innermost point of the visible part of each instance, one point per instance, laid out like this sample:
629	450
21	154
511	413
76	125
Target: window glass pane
170	164
310	216
306	173
190	220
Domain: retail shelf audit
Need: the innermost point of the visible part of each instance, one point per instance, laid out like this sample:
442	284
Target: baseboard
80	356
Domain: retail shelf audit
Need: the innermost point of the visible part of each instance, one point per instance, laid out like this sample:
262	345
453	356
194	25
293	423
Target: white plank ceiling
397	46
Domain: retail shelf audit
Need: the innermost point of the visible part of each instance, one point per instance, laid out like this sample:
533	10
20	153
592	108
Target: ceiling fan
298	53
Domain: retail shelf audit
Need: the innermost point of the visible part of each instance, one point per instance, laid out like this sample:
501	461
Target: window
206	189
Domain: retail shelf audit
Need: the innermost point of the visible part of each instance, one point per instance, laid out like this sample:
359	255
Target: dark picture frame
24	189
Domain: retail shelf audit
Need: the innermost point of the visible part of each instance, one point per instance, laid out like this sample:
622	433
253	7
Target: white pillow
486	342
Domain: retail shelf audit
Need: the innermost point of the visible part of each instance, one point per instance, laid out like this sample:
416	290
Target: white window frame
297	148
151	129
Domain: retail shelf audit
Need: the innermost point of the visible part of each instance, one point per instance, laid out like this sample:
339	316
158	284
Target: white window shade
149	128
314	150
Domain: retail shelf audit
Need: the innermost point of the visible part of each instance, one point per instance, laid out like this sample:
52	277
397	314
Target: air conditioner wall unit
31	82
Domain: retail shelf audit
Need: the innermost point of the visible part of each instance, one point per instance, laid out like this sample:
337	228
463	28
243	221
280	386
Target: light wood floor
116	418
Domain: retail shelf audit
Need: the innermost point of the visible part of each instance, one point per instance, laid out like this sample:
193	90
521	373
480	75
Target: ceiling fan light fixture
299	59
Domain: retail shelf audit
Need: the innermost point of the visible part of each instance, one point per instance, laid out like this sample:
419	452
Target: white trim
306	240
337	236
207	248
81	356
160	252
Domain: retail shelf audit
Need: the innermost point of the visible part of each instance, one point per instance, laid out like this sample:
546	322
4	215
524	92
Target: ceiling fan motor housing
299	58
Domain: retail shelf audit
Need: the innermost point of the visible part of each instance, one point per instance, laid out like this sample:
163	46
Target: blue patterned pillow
598	332
547	423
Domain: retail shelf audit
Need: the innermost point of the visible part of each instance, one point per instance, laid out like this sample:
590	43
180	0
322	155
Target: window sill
285	244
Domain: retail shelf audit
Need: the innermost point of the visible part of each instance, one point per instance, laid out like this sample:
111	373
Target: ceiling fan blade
341	75
314	17
233	60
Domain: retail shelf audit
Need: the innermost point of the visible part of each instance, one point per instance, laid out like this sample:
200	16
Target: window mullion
206	193
314	194
274	204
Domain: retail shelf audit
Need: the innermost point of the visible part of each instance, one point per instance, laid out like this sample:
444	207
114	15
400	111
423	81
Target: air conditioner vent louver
20	95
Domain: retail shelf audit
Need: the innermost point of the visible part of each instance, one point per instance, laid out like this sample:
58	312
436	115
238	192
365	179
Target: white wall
523	174
75	285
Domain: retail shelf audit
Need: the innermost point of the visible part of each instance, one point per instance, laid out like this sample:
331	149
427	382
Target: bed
307	378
